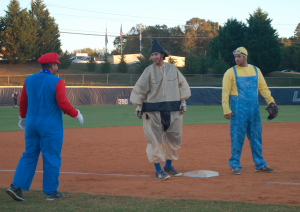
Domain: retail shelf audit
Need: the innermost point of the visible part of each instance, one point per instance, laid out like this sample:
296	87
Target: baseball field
105	167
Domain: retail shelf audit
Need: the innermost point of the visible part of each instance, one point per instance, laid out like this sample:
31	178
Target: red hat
49	58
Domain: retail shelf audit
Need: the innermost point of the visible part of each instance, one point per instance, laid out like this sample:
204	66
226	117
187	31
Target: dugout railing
212	80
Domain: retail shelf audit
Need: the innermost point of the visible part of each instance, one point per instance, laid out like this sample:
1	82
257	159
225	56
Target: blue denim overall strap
246	119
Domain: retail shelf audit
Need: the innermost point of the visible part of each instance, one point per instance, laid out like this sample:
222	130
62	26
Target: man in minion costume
161	91
42	102
241	84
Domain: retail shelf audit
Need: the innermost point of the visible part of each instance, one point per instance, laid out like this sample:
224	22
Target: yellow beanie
243	50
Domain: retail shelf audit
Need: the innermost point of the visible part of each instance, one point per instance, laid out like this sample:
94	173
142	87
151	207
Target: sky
91	16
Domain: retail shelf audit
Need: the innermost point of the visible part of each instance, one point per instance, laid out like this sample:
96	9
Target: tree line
26	35
205	44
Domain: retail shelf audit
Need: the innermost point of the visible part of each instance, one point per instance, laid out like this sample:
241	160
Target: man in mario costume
42	102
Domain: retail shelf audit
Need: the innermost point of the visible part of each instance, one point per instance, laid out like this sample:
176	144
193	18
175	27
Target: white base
201	173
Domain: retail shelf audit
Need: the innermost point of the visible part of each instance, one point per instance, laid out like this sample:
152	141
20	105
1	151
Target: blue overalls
246	119
43	132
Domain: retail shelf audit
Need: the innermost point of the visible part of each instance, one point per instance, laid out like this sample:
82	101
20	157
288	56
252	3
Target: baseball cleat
15	192
236	171
171	171
265	169
54	196
161	175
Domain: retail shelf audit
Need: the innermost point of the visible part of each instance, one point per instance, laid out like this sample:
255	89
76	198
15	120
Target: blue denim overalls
246	119
43	133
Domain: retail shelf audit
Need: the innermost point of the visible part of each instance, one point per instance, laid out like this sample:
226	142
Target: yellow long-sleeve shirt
229	85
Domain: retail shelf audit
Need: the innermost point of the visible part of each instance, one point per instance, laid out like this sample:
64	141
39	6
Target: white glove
12	96
137	110
183	106
79	117
22	123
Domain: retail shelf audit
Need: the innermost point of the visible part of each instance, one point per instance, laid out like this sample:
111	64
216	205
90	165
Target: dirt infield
118	156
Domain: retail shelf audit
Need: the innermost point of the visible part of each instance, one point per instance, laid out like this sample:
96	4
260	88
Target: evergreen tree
122	67
47	30
106	66
297	31
230	37
18	35
220	66
65	61
203	69
262	42
192	63
288	55
91	65
145	60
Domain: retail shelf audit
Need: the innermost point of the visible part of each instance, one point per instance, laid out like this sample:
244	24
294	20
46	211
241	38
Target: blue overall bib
246	119
43	133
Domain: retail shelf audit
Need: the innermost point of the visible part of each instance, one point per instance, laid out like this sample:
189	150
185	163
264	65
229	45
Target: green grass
105	116
96	202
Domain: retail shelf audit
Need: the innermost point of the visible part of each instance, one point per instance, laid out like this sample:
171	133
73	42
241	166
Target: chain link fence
212	80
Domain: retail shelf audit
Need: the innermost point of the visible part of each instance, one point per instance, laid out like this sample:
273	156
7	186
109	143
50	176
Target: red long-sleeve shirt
61	99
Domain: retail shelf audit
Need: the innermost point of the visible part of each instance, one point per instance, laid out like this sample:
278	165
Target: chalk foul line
283	183
83	173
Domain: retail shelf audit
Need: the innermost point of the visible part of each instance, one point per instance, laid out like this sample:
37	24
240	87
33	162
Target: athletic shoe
236	171
265	169
173	172
15	192
161	175
54	196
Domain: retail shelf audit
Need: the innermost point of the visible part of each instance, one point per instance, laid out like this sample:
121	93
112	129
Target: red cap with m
49	58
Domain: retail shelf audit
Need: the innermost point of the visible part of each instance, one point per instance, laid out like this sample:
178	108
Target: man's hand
79	117
228	116
183	106
138	111
21	123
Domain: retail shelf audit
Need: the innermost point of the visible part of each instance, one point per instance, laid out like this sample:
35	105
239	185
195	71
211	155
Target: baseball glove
272	110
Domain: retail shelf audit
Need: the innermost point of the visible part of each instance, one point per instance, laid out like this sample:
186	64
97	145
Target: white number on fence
123	101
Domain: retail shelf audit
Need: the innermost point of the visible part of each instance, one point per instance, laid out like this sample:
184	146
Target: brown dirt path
122	150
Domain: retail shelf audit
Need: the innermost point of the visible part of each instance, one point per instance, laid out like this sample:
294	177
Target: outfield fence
120	95
211	80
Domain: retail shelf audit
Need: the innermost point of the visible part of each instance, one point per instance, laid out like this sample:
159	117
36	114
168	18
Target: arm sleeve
62	100
140	90
184	88
23	103
226	88
263	88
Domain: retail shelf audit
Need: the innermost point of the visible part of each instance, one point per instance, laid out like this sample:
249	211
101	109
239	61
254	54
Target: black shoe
15	192
265	169
161	175
54	196
173	172
236	171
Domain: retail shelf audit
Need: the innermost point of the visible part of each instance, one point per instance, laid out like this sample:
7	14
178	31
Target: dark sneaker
173	172
236	171
265	169
161	175
15	192
54	196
